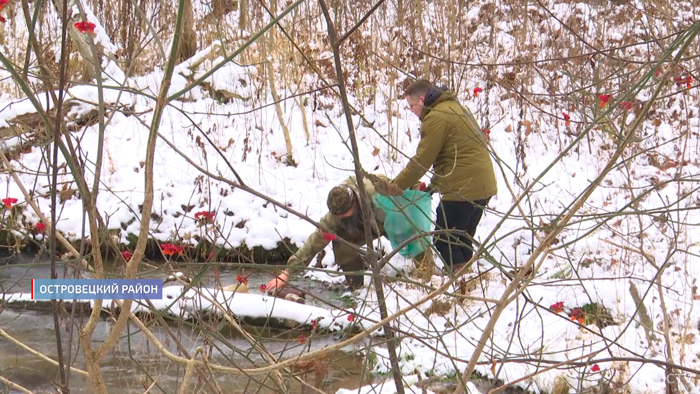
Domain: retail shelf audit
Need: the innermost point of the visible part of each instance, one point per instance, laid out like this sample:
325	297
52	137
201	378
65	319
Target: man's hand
277	283
383	187
420	186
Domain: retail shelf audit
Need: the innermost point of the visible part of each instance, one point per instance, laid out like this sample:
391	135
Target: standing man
454	146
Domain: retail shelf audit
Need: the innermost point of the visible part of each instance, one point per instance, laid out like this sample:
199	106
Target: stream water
135	364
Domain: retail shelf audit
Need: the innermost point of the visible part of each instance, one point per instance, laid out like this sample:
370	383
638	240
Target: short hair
417	88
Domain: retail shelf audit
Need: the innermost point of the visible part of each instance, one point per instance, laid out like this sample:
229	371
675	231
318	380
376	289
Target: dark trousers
350	260
458	215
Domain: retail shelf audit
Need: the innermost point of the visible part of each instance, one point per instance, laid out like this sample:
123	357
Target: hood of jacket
433	97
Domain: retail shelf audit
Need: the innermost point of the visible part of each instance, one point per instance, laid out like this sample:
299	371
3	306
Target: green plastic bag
406	216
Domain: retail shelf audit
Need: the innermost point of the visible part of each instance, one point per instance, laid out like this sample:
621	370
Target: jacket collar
435	95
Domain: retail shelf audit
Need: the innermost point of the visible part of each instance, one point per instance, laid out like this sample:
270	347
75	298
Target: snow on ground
389	387
594	270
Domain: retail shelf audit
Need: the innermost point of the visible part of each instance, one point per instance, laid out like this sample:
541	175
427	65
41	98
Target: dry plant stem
299	103
184	386
277	375
31	351
92	358
35	208
365	208
272	45
95	59
640	360
278	111
244	6
555	366
80	40
54	179
148	390
260	348
205	358
47	75
256	344
304	120
322	77
360	22
15	386
230	57
182	349
672	384
644	318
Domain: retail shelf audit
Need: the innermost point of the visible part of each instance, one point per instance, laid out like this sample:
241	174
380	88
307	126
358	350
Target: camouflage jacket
350	229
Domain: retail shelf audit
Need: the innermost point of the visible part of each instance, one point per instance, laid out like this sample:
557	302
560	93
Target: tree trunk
289	160
424	42
188	40
222	7
243	11
81	40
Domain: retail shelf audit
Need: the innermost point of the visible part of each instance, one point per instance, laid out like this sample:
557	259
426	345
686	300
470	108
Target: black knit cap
340	200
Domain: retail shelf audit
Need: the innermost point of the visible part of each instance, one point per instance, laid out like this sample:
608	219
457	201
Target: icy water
135	363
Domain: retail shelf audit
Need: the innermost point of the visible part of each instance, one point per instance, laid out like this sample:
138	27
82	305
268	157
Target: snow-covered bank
412	385
195	303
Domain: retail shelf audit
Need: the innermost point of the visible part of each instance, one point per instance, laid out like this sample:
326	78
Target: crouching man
343	220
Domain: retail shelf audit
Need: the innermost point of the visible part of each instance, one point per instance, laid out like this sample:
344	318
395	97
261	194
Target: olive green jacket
351	230
453	144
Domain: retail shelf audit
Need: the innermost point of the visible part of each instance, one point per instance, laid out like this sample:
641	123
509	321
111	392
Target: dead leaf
656	122
320	372
493	366
670	164
690	339
509	129
376	151
66	193
303	365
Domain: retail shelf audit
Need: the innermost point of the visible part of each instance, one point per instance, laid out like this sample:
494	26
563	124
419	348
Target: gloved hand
424	188
419	186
